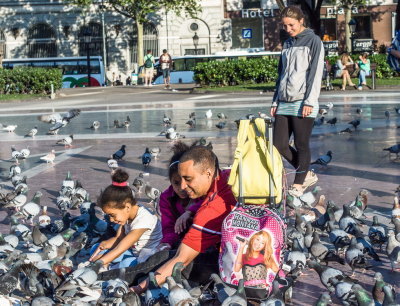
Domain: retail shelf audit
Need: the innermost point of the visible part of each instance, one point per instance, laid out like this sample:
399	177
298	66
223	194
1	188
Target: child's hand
182	221
104	245
163	246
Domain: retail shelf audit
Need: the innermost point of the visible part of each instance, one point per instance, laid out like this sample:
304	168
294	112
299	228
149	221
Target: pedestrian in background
364	65
148	68
295	102
166	62
342	71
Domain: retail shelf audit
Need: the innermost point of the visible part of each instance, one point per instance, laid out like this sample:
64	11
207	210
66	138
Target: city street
359	161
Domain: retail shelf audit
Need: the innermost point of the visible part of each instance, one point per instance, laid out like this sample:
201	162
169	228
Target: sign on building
331	47
339	11
258	13
363	45
247	33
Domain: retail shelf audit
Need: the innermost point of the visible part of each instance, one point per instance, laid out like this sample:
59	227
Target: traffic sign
247	33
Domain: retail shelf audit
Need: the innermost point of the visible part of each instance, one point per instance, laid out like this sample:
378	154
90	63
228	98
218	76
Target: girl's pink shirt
168	219
253	261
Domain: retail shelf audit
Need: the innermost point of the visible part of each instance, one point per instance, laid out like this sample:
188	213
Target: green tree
139	10
348	5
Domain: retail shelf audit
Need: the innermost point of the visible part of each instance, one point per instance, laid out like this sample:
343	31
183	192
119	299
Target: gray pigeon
339	238
377	233
177	294
276	297
296	258
238	298
323	160
327	274
321	252
393	249
223	291
347	222
390	296
362	296
32	132
395	149
82	277
355	257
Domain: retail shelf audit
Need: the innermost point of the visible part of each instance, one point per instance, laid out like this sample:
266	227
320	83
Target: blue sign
247	33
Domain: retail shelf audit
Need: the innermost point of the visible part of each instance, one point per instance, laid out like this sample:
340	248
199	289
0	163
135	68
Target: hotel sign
339	10
258	13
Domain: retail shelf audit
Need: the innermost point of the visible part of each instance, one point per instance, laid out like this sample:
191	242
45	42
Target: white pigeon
49	158
95	125
16	155
67	141
155	152
329	105
10	128
57	117
112	164
25	153
209	114
14	170
32	132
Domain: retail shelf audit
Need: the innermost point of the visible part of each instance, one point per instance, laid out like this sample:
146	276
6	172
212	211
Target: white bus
183	66
74	69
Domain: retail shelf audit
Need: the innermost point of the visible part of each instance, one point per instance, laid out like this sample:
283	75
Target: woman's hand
182	221
104	245
307	110
273	111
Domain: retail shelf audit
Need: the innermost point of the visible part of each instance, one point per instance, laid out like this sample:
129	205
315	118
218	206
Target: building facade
52	28
374	24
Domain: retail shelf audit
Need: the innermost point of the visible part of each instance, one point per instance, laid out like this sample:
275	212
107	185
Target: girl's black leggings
300	156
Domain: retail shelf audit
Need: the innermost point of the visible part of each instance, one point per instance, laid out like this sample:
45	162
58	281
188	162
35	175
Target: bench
352	71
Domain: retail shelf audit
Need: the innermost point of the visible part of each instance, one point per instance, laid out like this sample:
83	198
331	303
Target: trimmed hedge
235	72
264	70
27	80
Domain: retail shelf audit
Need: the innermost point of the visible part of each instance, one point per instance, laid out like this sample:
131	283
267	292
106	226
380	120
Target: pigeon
377	233
222	116
319	121
395	149
322	111
332	121
321	252
339	238
377	290
323	160
223	291
208	114
355	123
146	158
16	155
387	115
390	296
95	125
10	128
393	249
14	170
25	153
116	124
166	120
362	296
396	209
276	296
85	276
296	258
44	219
327	274
127	122
151	192
324	299
192	115
238	298
138	182
155	152
154	292
57	117
32	132
67	141
120	153
346	131
10	280
347	222
191	123
49	158
221	125
112	164
56	127
355	257
329	105
178	295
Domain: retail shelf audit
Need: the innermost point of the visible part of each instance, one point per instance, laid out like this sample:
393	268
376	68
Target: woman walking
295	102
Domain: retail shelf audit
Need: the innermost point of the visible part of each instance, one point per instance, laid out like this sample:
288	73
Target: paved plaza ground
358	159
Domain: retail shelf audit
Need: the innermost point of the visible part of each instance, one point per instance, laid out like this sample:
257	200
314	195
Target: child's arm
127	242
108	244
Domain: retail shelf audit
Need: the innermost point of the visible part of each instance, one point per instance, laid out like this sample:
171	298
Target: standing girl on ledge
139	229
295	102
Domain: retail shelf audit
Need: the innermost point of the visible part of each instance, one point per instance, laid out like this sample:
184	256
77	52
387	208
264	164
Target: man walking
148	68
166	62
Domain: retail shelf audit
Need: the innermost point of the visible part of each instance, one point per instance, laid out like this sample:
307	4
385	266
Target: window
328	29
42	41
363	27
256	26
96	44
150	37
249	4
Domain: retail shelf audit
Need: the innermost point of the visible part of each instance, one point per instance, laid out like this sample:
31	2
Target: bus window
190	64
70	67
43	64
179	65
94	66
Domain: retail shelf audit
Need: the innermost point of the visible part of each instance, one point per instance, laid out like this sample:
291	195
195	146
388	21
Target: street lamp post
195	42
87	36
352	26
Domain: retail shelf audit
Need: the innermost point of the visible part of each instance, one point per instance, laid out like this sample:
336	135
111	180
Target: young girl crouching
139	229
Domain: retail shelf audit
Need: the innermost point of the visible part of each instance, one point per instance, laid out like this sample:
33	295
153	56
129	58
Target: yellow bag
256	176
